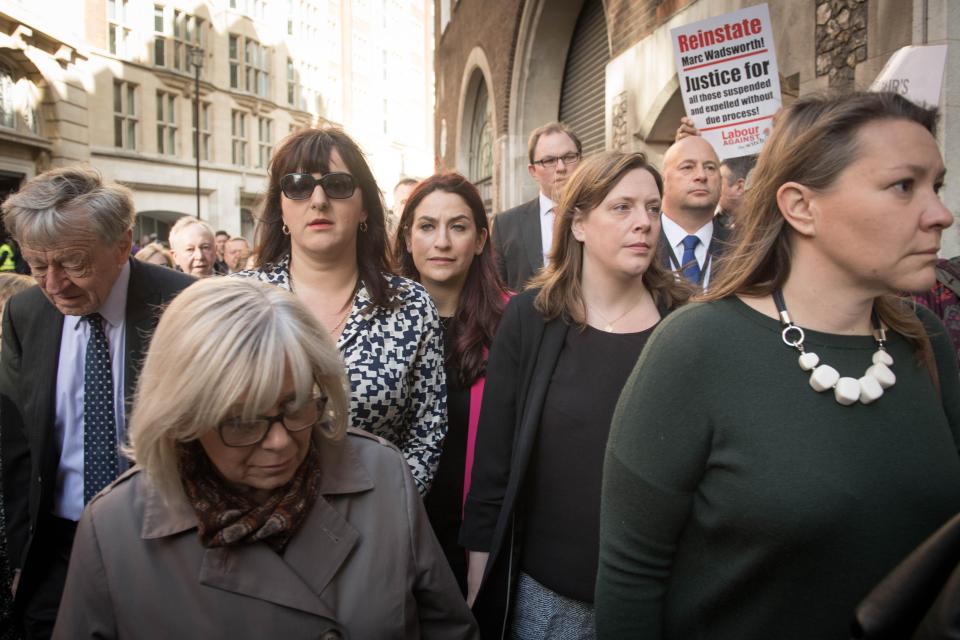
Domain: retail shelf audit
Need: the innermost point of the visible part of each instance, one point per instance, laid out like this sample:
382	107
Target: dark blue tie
691	270
99	422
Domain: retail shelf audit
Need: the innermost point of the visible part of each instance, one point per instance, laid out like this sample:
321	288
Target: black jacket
523	357
517	244
28	380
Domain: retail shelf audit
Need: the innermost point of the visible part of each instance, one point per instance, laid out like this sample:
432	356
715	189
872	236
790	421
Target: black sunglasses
300	186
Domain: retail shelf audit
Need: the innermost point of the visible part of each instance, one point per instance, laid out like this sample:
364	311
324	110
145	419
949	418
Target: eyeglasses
235	432
551	161
300	186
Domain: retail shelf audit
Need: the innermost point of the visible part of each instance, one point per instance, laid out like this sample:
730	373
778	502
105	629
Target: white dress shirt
675	235
547	218
68	423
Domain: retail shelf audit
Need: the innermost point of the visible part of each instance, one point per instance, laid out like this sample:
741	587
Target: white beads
883	374
809	360
847	390
882	357
870	389
824	377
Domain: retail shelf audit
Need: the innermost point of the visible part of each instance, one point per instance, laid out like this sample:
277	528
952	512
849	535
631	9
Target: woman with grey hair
252	508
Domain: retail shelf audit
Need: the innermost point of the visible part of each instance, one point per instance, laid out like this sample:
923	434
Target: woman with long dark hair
564	349
443	244
322	236
780	447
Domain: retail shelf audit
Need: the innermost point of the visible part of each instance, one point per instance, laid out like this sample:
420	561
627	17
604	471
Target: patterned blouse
394	361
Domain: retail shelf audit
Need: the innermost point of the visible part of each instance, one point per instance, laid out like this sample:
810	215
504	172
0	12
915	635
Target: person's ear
797	206
532	170
576	226
481	241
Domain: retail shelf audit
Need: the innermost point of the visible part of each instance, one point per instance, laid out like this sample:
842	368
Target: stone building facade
506	66
111	83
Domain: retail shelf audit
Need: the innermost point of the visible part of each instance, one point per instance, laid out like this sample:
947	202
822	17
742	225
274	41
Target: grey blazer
364	564
517	245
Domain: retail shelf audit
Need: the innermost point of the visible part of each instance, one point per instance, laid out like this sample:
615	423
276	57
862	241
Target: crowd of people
665	403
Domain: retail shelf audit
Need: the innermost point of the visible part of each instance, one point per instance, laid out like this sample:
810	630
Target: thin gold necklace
610	323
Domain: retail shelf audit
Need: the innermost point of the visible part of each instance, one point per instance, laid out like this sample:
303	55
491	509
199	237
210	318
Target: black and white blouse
394	361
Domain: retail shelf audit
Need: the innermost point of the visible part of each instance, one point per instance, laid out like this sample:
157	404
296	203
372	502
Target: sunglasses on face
300	186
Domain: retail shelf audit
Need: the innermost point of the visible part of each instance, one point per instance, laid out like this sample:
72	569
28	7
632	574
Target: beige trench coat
364	565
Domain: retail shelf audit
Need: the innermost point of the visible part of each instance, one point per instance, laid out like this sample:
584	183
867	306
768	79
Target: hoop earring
285	229
363	226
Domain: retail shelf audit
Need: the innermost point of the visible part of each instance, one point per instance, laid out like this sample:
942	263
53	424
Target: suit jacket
28	380
523	357
364	564
719	245
517	244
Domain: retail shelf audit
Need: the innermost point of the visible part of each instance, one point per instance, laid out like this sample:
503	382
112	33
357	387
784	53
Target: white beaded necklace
847	391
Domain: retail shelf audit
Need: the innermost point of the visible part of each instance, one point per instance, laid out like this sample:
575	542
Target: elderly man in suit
522	236
690	239
68	369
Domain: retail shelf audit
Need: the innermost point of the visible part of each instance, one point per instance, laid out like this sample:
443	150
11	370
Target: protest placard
915	72
729	79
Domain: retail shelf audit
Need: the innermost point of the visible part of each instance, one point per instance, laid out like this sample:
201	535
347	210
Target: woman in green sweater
778	449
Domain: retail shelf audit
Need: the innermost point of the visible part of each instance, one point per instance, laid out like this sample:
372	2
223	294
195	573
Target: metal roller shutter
584	78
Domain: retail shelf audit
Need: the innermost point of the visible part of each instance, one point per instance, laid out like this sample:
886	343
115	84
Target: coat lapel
43	380
141	320
530	231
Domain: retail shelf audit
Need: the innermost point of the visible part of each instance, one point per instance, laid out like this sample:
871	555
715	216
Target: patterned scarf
229	518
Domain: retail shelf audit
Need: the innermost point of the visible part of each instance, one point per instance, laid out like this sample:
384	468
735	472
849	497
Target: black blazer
719	245
517	244
28	380
523	357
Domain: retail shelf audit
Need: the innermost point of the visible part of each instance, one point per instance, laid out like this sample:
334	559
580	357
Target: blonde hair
224	344
153	249
13	283
813	142
560	287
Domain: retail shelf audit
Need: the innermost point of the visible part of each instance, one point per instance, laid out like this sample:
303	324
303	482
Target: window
188	32
204	131
291	83
234	55
481	142
8	111
256	59
166	123
124	115
264	140
238	131
159	42
118	34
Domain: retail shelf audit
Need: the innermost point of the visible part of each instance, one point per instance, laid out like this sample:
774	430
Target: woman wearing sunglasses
253	512
322	236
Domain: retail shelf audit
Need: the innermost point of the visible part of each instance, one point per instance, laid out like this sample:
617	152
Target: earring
363	226
285	229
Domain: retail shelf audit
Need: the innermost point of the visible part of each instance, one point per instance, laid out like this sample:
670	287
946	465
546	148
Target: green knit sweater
739	503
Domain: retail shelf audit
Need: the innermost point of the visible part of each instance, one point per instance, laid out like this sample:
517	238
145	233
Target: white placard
915	72
729	79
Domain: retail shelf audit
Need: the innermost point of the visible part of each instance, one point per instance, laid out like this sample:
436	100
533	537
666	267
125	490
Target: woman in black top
442	244
558	361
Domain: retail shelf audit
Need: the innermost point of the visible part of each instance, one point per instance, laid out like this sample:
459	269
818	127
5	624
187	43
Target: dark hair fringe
308	150
483	298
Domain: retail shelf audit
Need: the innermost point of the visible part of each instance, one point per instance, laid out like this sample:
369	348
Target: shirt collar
114	308
546	204
675	233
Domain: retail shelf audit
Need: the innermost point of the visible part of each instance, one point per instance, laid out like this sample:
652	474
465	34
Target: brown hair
561	293
813	142
551	127
153	249
308	150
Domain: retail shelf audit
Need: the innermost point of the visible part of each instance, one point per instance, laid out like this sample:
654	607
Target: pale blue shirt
68	423
675	235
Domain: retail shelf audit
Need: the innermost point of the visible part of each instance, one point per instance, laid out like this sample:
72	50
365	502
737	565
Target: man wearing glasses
522	236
